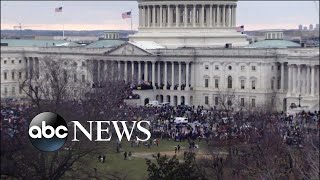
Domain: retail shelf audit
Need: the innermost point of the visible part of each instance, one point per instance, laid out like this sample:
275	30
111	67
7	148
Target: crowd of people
203	124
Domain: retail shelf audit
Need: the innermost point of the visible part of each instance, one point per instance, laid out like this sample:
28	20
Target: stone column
98	70
143	19
282	77
224	16
210	16
148	16
192	83
177	15
194	15
293	73
308	80
132	71
146	70
202	15
312	80
105	69
161	16
234	16
185	15
179	87
112	74
153	74
172	76
289	79
119	70
169	16
153	16
214	16
139	7
165	14
126	71
139	72
159	78
218	16
299	79
229	16
165	75
158	16
187	76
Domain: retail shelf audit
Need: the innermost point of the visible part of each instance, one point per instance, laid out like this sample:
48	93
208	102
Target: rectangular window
20	75
216	100
206	67
216	67
65	76
20	90
271	68
242	68
206	83
12	75
253	84
206	100
242	83
5	76
279	83
253	102
20	61
216	83
242	101
253	68
75	77
229	102
4	62
13	90
279	67
83	78
12	61
5	90
272	84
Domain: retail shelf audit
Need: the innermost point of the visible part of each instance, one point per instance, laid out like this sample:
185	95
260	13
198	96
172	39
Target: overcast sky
101	15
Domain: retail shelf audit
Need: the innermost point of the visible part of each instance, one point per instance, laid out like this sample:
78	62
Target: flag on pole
240	28
58	9
126	15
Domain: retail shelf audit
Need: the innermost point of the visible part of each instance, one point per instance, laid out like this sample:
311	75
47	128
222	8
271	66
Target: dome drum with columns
186	23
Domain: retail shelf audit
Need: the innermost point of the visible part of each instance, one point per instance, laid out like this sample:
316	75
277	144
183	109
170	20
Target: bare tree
53	90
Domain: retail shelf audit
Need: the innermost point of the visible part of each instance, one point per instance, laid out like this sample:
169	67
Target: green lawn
135	169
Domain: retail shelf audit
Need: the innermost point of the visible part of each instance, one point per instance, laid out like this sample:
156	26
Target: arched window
229	82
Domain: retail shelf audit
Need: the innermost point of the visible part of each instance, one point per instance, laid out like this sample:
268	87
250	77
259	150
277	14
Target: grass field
136	168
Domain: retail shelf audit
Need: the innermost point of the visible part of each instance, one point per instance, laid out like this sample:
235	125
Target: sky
106	15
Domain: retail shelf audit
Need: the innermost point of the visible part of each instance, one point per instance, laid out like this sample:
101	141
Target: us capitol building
189	52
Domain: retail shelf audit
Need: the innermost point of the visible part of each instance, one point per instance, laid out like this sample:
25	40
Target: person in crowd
125	155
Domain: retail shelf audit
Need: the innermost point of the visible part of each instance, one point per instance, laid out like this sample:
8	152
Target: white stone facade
194	75
259	76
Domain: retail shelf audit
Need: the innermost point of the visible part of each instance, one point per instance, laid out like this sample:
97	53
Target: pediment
128	49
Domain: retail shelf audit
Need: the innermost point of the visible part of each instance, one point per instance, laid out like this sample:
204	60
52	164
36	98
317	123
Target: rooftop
37	43
105	43
275	43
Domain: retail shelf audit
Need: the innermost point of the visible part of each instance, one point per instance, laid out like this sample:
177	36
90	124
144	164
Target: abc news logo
49	131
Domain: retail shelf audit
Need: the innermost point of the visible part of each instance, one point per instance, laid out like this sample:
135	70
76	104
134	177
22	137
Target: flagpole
62	25
131	19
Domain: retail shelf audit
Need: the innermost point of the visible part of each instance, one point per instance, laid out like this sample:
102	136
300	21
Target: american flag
126	15
58	9
240	28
